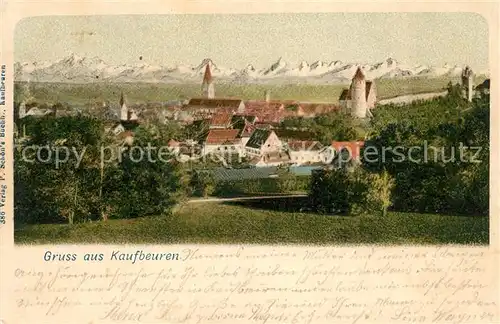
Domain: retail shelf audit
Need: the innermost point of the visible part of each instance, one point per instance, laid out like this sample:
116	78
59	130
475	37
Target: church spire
359	75
123	108
207	85
122	99
207	78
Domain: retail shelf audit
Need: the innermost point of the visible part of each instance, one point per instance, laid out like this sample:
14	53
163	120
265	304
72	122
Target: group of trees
81	189
350	191
431	156
327	127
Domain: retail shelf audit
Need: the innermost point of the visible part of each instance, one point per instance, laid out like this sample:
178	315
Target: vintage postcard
265	163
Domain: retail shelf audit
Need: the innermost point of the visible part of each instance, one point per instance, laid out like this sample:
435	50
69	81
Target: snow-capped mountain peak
81	69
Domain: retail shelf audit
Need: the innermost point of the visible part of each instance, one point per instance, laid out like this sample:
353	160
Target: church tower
467	82
123	109
359	106
207	87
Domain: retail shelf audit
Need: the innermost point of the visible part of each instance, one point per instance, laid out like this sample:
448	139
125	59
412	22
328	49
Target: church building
128	117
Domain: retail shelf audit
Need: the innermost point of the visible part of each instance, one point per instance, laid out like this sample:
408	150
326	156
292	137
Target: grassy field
262	223
82	94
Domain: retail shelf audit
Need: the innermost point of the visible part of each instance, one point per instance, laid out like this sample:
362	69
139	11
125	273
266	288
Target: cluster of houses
248	128
231	126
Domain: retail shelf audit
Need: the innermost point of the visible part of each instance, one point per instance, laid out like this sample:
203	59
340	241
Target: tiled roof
353	147
263	125
304	145
485	84
221	136
241	119
359	75
271	112
257	105
247	130
317	108
207	77
125	134
214	103
221	119
368	88
259	137
345	95
289	134
173	143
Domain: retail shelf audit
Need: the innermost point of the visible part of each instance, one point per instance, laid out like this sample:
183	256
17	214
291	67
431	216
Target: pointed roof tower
359	75
207	78
122	100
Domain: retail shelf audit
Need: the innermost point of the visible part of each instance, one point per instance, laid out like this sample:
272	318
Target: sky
258	39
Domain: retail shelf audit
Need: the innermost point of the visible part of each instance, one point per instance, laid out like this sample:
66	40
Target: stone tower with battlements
467	83
359	105
207	86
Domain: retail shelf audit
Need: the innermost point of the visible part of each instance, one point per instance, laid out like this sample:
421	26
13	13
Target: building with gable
305	152
221	120
271	159
128	117
201	108
263	141
222	141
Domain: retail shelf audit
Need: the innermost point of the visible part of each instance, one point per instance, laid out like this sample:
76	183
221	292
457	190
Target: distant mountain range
77	69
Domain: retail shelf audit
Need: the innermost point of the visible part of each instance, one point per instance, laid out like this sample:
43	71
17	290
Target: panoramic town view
116	143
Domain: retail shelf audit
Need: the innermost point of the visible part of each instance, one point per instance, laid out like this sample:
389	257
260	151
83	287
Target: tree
434	180
380	193
150	186
203	183
59	187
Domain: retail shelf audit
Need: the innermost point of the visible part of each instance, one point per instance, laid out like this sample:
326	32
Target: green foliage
379	195
46	192
436	179
203	183
285	183
422	155
334	126
350	191
79	191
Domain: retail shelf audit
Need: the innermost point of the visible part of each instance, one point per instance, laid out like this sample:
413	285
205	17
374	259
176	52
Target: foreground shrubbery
445	182
350	191
76	192
204	184
434	178
262	186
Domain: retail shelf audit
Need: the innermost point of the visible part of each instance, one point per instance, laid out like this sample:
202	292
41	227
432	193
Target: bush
351	192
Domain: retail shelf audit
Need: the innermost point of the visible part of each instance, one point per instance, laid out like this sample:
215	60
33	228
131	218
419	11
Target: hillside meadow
82	94
262	223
